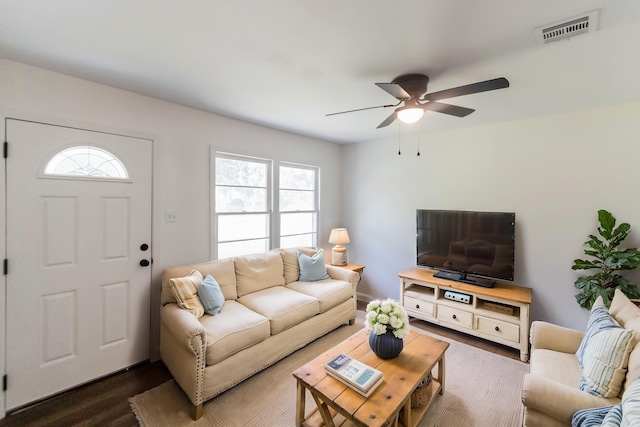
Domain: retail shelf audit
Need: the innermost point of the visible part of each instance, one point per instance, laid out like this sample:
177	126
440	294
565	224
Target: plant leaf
583	264
607	222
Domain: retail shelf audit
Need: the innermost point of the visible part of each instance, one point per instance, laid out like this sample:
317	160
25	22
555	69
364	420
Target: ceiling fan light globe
410	115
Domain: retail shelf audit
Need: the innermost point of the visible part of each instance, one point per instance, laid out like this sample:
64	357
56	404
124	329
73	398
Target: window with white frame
242	205
245	221
298	205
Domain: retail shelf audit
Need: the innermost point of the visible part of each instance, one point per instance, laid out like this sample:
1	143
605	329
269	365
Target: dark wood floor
105	402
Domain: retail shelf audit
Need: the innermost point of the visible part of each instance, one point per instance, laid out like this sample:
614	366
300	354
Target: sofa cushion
557	366
628	315
312	268
223	270
282	306
185	291
290	262
233	329
210	295
257	272
605	357
622	309
329	293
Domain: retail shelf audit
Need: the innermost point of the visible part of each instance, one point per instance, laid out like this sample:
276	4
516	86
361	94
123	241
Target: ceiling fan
410	89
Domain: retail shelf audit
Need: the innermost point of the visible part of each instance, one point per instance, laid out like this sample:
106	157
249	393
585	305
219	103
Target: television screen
466	242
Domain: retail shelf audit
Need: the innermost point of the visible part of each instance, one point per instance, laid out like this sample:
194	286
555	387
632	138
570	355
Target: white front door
78	298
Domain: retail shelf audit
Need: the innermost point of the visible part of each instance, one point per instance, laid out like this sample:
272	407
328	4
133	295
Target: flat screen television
467	246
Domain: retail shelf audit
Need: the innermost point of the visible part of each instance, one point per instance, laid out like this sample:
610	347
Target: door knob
144	263
144	247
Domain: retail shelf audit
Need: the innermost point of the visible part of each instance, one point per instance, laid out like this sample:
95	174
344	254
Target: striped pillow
613	417
631	405
185	289
599	319
605	355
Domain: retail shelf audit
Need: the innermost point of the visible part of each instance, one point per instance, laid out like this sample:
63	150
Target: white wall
554	172
182	140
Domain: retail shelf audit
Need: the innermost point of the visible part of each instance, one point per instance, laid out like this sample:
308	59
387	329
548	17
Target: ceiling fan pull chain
418	155
399	140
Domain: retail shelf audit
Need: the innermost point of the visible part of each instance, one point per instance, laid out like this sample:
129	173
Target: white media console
499	314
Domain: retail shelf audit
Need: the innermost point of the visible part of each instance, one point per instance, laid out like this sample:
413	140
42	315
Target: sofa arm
183	342
553	337
339	273
558	400
183	325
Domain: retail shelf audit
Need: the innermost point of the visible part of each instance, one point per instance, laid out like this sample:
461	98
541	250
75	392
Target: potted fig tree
608	260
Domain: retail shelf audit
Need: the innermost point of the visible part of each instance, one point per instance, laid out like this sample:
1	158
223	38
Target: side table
354	267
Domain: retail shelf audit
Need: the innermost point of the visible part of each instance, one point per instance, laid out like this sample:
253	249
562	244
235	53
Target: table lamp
339	237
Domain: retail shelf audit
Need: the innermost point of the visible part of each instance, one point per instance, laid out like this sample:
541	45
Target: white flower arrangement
387	315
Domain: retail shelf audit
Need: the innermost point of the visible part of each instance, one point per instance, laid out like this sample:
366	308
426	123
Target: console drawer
418	305
455	316
498	328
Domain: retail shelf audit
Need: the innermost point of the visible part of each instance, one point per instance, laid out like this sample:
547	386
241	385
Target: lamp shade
339	236
410	115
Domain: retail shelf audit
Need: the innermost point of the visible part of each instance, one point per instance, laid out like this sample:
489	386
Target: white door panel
77	297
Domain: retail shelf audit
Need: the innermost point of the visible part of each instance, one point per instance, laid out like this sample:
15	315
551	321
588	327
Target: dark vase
385	346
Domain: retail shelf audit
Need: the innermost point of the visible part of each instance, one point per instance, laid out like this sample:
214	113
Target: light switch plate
170	216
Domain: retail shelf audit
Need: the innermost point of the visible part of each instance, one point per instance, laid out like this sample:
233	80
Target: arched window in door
84	161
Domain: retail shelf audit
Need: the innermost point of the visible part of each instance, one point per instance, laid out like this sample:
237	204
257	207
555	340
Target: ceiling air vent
568	28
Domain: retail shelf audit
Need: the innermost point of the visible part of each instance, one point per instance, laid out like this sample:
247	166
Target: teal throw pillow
210	295
312	268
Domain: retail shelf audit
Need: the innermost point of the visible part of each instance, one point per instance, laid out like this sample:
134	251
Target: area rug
482	389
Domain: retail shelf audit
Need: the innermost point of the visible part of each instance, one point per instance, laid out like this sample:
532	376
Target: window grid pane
297	178
297	240
296	200
245	247
242	227
240	199
246	173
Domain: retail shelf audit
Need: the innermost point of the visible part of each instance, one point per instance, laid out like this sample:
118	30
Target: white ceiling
287	63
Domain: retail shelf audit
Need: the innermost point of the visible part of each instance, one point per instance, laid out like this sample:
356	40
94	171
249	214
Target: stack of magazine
362	378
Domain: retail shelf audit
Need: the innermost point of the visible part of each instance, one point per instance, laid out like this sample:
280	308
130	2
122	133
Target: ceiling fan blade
452	110
362	109
499	83
387	121
394	90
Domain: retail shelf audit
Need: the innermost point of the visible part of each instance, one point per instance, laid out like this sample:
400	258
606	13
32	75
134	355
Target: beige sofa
551	393
267	314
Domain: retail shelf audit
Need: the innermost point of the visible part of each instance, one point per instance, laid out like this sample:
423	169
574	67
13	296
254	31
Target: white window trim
273	197
214	153
316	200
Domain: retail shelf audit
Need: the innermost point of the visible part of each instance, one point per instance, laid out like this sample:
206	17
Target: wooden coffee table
390	404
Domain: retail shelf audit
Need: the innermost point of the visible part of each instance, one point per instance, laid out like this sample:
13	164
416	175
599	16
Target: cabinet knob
417	305
454	316
497	328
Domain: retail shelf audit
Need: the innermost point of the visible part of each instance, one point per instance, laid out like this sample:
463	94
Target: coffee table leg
441	374
300	403
324	411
